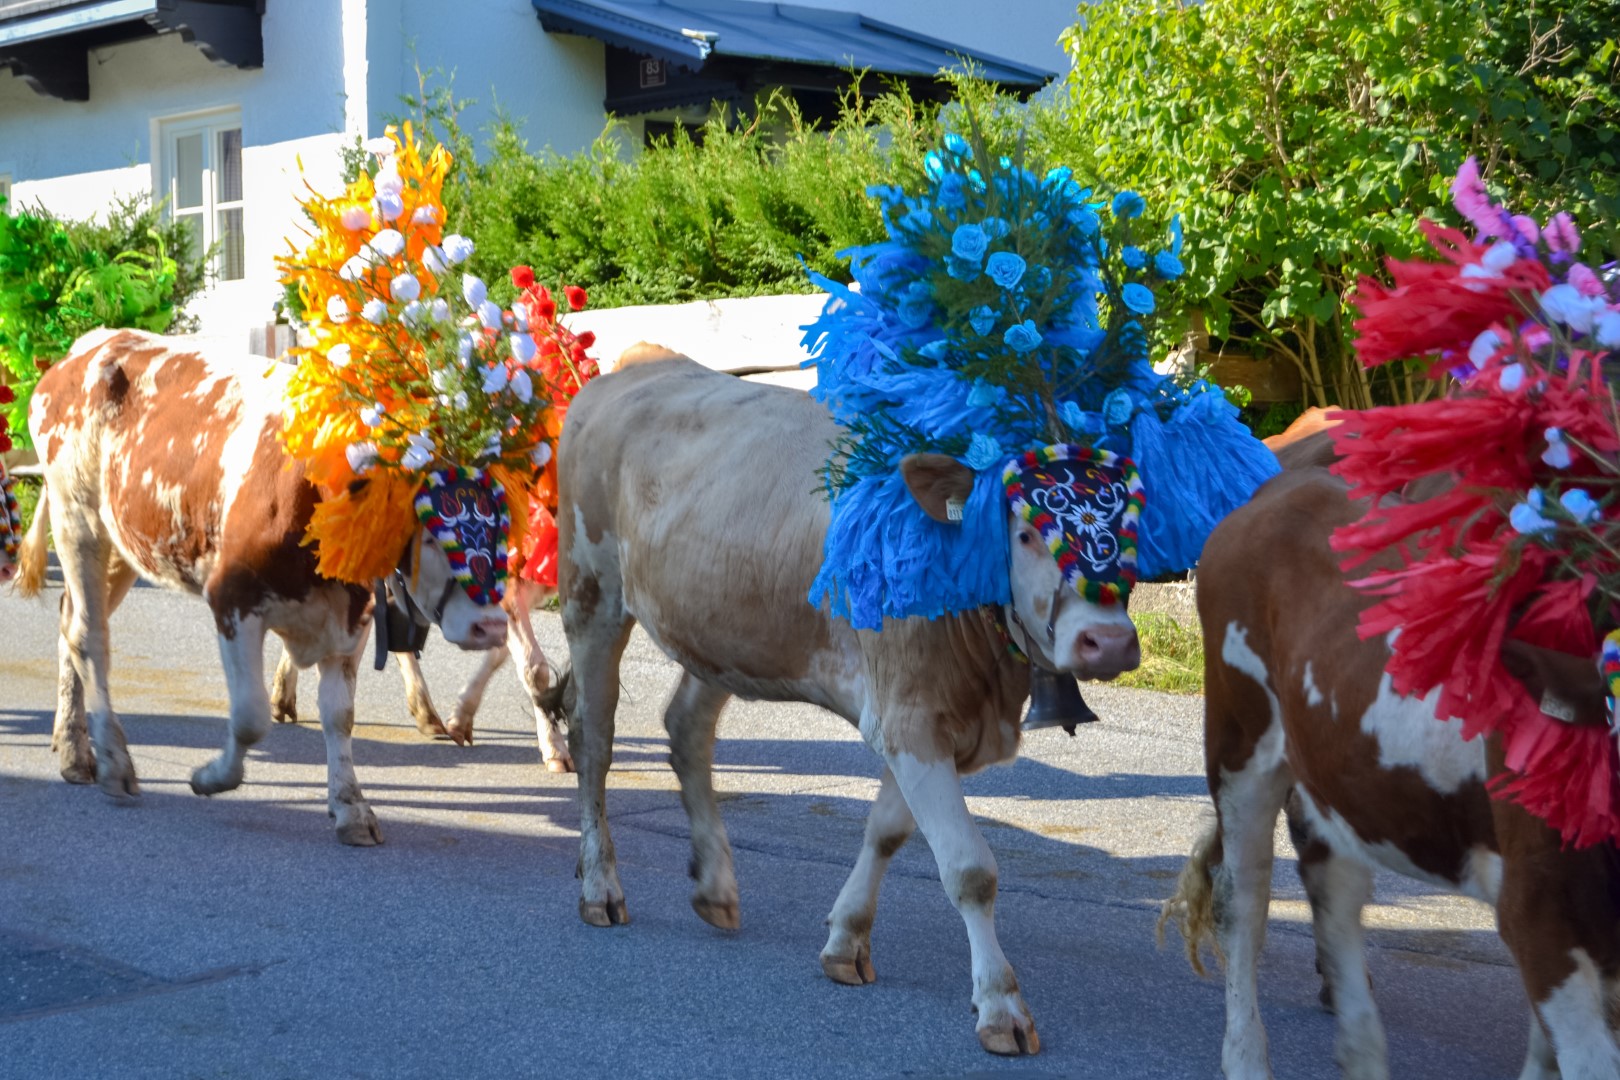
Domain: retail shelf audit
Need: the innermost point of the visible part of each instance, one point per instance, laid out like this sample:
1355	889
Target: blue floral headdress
1006	311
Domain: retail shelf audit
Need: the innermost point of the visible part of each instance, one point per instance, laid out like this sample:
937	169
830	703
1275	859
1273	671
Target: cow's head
1071	550
1568	688
453	571
11	533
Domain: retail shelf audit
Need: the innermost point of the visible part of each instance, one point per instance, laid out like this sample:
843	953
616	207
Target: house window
201	176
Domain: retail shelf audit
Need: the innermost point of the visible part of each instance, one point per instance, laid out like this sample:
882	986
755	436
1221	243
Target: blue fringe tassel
885	557
1196	468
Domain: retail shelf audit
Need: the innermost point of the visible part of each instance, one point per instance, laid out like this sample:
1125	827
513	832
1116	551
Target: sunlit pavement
234	937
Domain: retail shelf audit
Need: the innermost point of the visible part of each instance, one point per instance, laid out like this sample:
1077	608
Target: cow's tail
1192	908
32	556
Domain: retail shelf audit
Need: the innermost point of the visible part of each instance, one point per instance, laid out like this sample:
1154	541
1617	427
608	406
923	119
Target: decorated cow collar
465	511
1085	503
11	530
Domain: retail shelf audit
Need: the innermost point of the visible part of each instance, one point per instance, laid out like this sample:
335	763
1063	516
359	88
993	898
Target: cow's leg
1540	1063
70	737
596	642
460	727
847	956
417	699
284	690
242	654
1576	1014
1339	888
690	720
356	824
536	674
86	557
967	869
1247	802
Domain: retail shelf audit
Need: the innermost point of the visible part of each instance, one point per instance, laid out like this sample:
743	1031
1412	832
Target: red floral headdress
1524	542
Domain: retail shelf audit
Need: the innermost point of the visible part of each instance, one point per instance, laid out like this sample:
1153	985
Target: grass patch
27	490
1172	656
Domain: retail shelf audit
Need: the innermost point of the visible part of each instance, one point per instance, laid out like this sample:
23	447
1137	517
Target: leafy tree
1302	140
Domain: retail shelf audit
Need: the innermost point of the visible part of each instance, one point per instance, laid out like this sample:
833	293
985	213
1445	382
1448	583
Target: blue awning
695	34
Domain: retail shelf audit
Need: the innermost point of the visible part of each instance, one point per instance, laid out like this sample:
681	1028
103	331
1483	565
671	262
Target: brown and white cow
165	464
689	505
522	597
1298	709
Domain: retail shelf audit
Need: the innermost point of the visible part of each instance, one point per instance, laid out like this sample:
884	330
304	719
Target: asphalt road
234	937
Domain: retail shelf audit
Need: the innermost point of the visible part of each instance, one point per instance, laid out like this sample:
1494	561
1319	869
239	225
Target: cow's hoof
284	714
854	970
559	765
721	914
1009	1030
611	913
460	734
210	780
357	827
116	775
79	768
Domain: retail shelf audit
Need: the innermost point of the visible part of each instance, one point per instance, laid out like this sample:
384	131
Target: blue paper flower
1071	416
1005	269
1175	235
918	220
983	452
1580	506
1059	176
1023	337
976	181
961	269
1117	407
933	166
1167	266
1526	517
995	228
935	350
983	395
1128	204
889	193
1139	298
915	311
1085	220
952	192
957	145
1133	257
969	242
982	319
1040	279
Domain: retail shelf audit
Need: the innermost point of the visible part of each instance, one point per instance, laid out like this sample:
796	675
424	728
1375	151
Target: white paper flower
337	309
389	244
464	348
361	455
1499	256
356	218
372	415
473	290
489	313
1512	377
382	146
1484	347
540	455
405	287
1606	328
338	356
439	310
520	316
1565	304
388	181
492	446
375	312
460	400
354	269
522	348
443	381
458	248
388	207
419	452
414	313
522	387
495	379
433	260
425	215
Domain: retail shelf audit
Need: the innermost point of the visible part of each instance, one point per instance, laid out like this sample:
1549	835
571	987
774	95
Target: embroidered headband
465	510
1085	503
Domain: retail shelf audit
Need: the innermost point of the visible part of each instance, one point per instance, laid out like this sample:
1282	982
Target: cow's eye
1025	537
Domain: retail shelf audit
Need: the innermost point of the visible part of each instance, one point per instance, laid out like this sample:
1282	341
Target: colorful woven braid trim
11	530
472	535
1609	664
1085	503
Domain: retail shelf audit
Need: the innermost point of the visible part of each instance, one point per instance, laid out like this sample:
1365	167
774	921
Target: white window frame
168	130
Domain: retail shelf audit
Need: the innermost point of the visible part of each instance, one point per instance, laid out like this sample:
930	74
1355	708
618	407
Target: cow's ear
1566	687
940	484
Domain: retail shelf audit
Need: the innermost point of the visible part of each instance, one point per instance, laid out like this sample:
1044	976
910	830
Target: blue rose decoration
982	395
1117	407
957	145
1167	266
952	192
982	319
917	308
976	181
1071	416
935	350
888	193
1139	298
1175	235
1040	279
1128	204
961	269
933	166
1133	257
995	228
983	451
918	220
969	242
1023	337
1059	176
1085	220
1005	269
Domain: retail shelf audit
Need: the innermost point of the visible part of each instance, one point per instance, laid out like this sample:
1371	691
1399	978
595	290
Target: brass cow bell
1055	701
